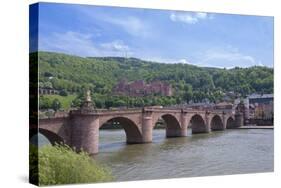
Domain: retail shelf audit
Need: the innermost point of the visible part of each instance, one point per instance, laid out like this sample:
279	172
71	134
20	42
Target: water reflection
39	140
217	153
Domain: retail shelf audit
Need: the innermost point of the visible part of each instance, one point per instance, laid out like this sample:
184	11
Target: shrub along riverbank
59	164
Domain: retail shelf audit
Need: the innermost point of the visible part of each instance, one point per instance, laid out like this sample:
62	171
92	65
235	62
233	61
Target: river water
215	153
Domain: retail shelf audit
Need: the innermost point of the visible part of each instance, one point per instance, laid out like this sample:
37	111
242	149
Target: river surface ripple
216	153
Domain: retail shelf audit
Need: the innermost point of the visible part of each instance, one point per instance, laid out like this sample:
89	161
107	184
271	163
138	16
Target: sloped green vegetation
48	101
74	74
59	164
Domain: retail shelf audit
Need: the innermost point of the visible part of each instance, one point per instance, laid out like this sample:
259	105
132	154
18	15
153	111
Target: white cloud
229	56
116	48
260	64
189	18
81	44
132	25
68	42
186	18
116	45
201	15
226	58
166	60
184	61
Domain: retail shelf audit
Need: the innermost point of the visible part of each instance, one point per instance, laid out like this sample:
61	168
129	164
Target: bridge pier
239	120
85	134
208	122
176	132
224	121
147	127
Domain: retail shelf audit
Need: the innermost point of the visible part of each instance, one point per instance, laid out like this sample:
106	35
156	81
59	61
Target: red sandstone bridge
80	128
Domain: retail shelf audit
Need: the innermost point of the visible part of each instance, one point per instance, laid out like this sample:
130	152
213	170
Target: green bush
63	93
60	164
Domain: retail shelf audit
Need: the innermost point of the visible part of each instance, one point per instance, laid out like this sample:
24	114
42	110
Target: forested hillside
73	74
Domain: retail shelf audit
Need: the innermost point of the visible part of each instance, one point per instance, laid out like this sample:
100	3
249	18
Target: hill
74	74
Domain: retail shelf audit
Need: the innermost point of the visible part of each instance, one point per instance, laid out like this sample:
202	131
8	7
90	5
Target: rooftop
258	96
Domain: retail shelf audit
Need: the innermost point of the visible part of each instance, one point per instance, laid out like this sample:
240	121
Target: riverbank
60	164
256	127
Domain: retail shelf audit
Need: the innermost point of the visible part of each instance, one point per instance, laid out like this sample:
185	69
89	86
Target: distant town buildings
260	106
257	106
205	106
140	88
48	91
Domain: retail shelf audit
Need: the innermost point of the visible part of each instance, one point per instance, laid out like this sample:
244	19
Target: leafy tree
60	164
63	93
44	103
56	104
48	74
48	85
188	93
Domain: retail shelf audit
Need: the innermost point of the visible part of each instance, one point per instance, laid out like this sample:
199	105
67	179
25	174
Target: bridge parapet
104	112
148	110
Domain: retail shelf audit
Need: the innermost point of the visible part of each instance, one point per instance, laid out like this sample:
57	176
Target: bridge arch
133	133
52	137
230	123
216	123
173	126
198	125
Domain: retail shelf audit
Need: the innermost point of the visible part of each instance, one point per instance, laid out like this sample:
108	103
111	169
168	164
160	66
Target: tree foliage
73	74
60	164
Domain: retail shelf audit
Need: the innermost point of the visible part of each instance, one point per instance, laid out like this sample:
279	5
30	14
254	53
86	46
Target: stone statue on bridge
88	104
88	96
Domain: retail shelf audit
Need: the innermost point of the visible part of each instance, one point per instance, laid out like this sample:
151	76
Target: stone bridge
80	129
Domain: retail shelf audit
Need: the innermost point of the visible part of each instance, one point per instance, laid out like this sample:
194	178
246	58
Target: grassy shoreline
60	164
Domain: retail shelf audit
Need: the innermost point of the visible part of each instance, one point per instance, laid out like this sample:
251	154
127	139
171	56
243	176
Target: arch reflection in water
39	140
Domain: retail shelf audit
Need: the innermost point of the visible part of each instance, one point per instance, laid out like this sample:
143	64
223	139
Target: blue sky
203	39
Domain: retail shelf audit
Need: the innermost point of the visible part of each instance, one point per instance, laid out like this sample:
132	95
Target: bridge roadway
80	128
